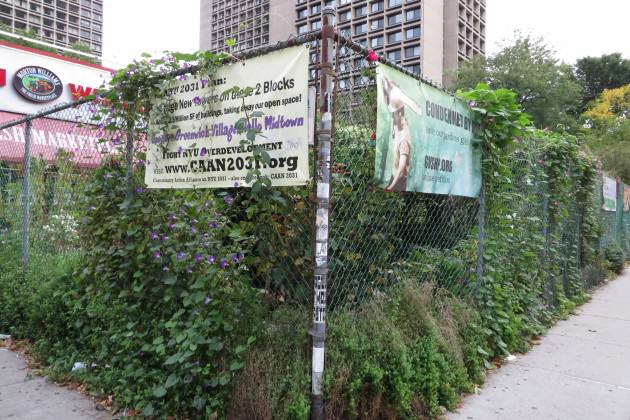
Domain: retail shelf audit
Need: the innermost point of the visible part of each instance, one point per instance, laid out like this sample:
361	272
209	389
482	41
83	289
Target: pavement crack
579	378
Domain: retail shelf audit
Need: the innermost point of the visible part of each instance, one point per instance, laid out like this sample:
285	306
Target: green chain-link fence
376	238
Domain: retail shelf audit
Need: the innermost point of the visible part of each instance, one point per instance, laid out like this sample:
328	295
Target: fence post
619	216
324	179
26	188
482	233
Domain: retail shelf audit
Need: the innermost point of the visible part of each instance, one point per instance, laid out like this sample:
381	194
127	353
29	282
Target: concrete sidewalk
26	398
581	370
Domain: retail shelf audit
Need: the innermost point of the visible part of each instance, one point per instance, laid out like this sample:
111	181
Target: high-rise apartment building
249	23
63	23
428	37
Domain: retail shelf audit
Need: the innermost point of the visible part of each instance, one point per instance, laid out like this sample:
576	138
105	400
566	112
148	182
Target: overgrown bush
614	256
403	356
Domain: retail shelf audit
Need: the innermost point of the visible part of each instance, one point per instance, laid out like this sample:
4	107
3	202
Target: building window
394	3
394	37
413	14
344	2
360	28
302	13
343	83
360	11
316	24
394	55
377	24
316	9
376	41
413	32
377	7
412	52
345	16
413	68
394	19
302	29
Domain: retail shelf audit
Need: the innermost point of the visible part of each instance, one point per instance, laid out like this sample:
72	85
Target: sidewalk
25	398
581	370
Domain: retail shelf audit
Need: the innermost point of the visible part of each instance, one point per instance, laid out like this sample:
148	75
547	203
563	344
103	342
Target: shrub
614	256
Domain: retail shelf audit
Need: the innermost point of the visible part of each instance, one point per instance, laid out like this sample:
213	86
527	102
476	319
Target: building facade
249	23
62	23
427	37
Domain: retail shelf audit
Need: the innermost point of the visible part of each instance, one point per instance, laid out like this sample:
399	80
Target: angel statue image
397	103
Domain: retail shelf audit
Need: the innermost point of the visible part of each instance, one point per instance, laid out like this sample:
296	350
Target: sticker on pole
249	116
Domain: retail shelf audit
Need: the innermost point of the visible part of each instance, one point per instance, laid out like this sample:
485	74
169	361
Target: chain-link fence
376	238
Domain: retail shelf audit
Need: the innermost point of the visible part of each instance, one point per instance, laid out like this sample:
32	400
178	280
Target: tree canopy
597	74
546	87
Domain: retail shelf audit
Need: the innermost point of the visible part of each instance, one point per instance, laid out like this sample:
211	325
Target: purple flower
139	189
235	257
182	77
198	258
171	216
157	255
213	225
228	199
207	300
171	226
210	259
224	264
197	100
206	204
189	270
193	230
237	184
180	255
204	151
180	149
241	257
164	238
116	140
194	222
154	236
472	104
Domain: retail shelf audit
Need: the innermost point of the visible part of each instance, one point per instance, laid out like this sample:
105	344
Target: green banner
424	138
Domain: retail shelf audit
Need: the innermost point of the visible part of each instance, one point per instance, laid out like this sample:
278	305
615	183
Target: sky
573	28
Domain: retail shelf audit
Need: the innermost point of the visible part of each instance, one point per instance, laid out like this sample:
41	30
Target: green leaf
236	365
169	279
149	410
173	359
159	392
172	380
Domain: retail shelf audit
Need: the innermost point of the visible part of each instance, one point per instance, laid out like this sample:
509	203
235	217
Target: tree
545	87
597	74
611	108
612	146
609	132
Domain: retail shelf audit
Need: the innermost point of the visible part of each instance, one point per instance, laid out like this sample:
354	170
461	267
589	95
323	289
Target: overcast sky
574	28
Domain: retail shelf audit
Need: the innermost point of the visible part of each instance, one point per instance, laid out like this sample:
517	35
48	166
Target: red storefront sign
49	137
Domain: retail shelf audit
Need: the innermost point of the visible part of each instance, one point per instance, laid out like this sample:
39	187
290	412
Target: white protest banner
610	194
193	130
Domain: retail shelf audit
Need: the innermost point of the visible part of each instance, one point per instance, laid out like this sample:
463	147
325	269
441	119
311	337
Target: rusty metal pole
324	179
